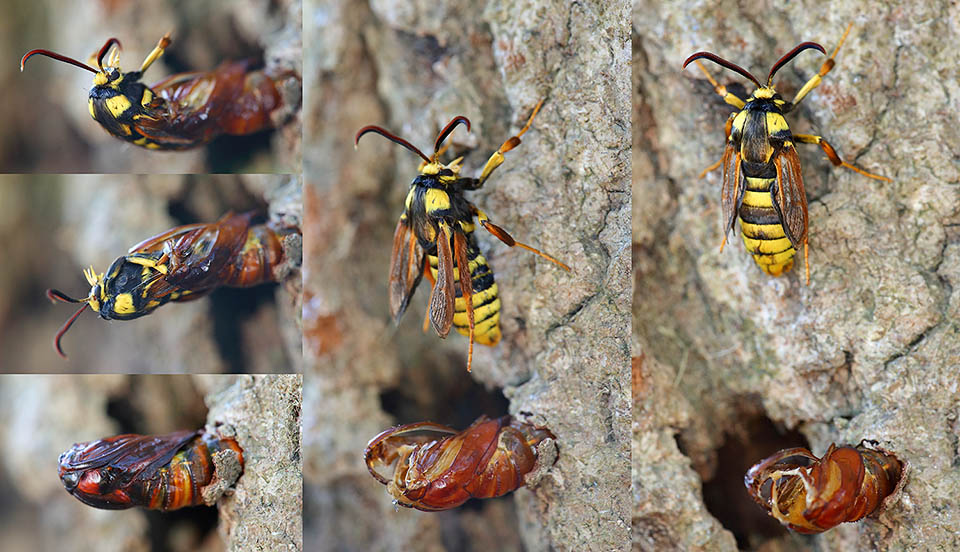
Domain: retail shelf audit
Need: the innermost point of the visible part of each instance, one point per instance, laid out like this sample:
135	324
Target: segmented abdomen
254	263
180	482
486	300
762	231
161	472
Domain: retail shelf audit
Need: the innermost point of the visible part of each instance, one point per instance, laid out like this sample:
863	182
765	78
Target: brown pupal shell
810	495
438	468
159	472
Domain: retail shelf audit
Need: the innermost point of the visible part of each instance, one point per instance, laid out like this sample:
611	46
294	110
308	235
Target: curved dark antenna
724	63
103	50
57	57
391	137
792	54
55	295
460	119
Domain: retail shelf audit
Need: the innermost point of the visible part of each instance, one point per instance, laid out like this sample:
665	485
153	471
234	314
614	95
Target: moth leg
160	265
720	89
497	158
824	69
728	128
806	257
833	157
466	283
506	238
711	167
156	53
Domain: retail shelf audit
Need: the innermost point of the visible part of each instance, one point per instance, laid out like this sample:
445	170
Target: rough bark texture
265	512
869	350
42	416
65	223
48	127
411	67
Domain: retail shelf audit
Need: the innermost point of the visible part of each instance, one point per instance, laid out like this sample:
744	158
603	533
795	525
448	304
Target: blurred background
59	224
47	127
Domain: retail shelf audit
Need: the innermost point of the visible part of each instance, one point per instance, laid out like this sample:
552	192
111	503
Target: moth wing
193	104
200	255
406	268
444	294
154	243
168	86
230	99
790	198
731	194
132	454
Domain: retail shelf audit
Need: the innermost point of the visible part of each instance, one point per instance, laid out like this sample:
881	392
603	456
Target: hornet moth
810	495
762	182
182	111
181	264
158	472
438	468
435	236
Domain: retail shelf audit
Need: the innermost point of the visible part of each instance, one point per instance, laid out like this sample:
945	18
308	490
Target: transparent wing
406	268
732	190
790	199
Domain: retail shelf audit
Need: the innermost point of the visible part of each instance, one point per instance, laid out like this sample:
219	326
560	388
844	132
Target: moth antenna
395	139
792	54
447	130
56	56
723	63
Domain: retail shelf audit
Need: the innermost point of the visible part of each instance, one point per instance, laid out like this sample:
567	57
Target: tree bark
869	349
411	67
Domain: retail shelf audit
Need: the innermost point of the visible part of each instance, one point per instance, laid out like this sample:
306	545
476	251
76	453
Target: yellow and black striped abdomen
486	300
762	231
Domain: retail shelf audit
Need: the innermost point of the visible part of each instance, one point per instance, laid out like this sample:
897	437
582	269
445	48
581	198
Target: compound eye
112	74
445	172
